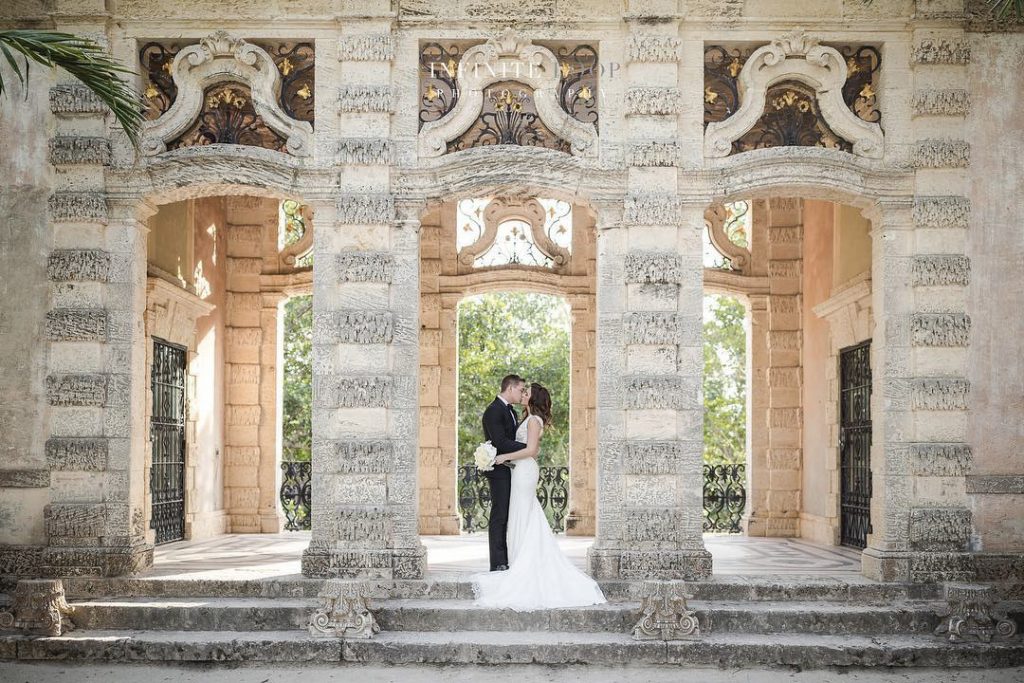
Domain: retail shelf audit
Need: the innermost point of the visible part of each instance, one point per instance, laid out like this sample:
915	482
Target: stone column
581	519
757	479
270	397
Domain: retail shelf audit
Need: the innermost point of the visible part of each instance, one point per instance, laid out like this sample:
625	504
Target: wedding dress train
539	576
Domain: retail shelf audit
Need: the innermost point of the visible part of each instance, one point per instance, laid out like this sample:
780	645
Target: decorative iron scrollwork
228	117
160	90
791	119
577	90
722	67
475	497
297	495
509	117
439	90
860	92
725	497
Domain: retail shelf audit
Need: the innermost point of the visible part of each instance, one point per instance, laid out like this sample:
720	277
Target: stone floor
248	556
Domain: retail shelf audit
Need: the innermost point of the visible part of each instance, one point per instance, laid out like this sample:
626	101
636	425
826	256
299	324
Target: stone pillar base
917	566
580	525
272	522
353	563
612	563
41	561
775	527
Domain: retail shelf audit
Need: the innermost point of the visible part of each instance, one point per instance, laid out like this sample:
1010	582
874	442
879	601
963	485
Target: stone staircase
810	624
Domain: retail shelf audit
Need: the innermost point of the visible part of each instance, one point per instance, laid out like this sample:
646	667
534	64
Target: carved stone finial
971	614
221	43
343	611
510	43
796	43
664	613
39	608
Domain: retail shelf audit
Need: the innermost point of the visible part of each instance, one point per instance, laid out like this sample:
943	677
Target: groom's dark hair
509	380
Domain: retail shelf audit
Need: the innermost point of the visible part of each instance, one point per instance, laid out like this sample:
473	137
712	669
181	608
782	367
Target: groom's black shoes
500	568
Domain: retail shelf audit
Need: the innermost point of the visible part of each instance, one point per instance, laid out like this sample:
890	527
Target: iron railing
475	497
725	496
297	495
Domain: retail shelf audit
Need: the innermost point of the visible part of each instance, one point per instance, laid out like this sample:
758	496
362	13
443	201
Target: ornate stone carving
941	269
72	524
996	483
664	612
942	102
493	62
39	607
365	266
654	48
653	392
366	47
941	459
366	209
654	154
971	615
365	457
653	268
365	151
76	149
24	479
940	393
503	209
219	58
942	212
651	209
941	154
940	329
652	457
76	324
366	98
78	207
796	56
363	327
651	328
940	528
653	525
353	392
739	257
76	390
653	101
75	99
942	51
343	611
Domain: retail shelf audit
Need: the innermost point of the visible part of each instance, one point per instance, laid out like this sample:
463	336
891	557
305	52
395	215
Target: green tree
527	334
83	58
725	381
297	409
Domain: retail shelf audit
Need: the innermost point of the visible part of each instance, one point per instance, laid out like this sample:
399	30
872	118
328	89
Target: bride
539	575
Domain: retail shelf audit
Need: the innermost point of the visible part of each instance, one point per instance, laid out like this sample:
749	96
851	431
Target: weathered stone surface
653	154
71	524
995	483
971	615
651	209
365	151
653	268
940	329
943	102
366	47
664	614
365	457
653	392
941	459
352	392
78	207
651	328
24	479
940	393
652	457
76	324
942	51
39	607
366	209
355	327
653	525
76	390
653	101
75	99
654	48
366	98
941	269
67	150
940	528
689	564
942	212
343	611
942	154
366	267
70	265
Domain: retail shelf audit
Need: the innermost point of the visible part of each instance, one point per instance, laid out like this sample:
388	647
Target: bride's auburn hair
540	402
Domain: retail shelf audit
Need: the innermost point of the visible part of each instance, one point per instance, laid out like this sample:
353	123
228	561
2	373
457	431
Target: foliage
1001	8
83	58
527	334
725	381
297	418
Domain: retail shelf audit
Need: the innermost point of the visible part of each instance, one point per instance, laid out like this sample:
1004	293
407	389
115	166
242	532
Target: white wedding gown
539	575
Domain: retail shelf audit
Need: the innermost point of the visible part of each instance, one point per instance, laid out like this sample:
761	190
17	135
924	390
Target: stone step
456	586
261	614
729	650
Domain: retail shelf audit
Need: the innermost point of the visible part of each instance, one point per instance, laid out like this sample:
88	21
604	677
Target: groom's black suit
500	429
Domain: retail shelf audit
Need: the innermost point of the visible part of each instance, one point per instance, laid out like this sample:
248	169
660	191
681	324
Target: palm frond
1001	8
83	58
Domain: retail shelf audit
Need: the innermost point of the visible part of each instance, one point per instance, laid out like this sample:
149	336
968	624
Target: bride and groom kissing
528	569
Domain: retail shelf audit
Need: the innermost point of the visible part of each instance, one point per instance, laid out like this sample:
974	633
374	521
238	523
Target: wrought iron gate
855	444
167	435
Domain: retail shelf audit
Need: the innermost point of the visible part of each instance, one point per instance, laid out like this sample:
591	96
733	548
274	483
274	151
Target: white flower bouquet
484	456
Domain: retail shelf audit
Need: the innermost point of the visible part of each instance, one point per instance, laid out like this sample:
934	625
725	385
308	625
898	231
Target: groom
500	422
